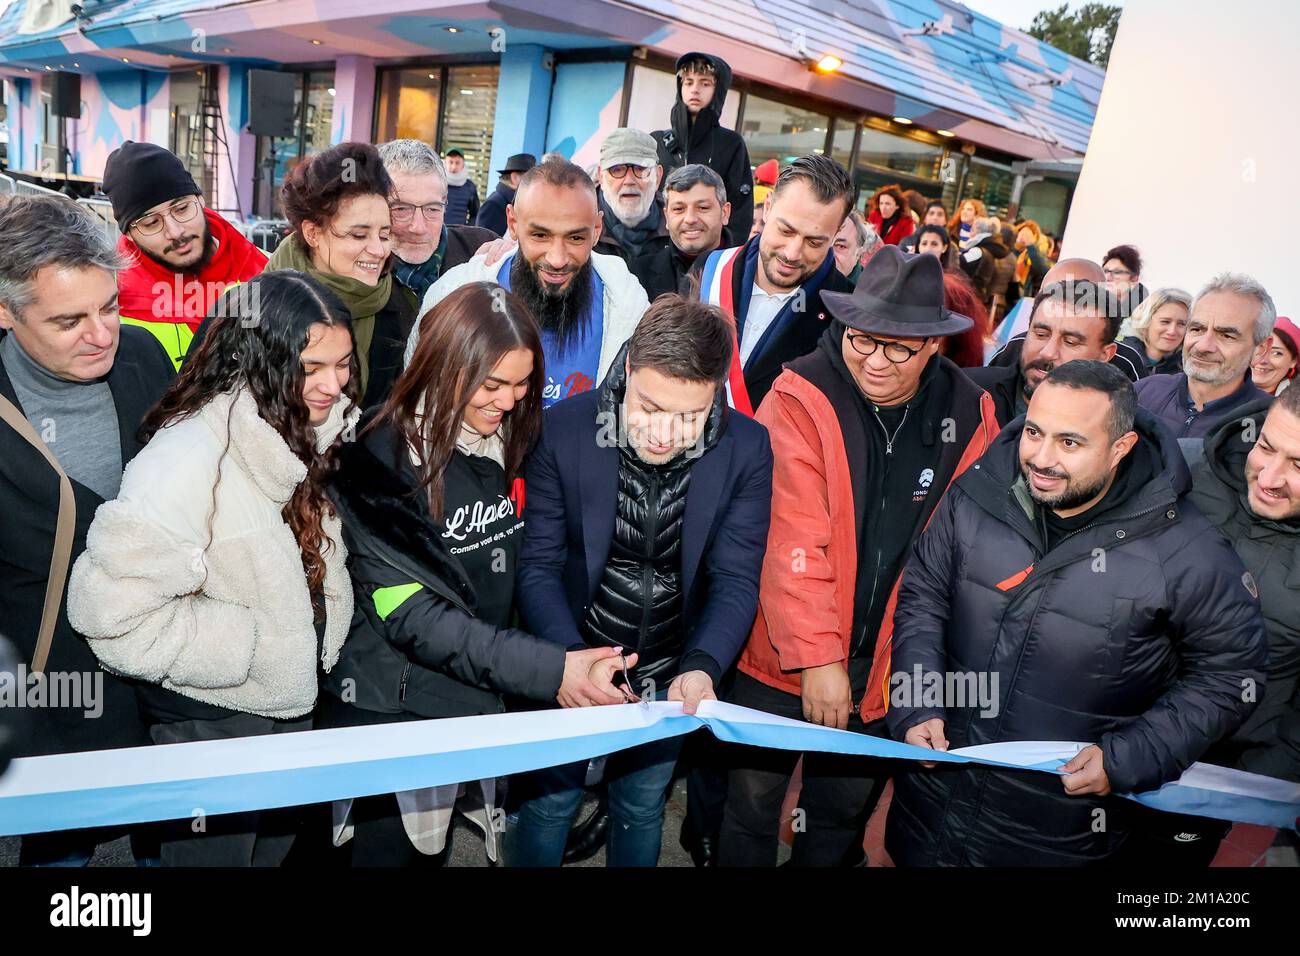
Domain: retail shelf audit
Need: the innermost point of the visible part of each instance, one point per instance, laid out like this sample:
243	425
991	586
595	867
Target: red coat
805	616
902	228
153	293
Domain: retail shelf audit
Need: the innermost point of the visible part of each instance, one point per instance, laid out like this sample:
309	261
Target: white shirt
762	311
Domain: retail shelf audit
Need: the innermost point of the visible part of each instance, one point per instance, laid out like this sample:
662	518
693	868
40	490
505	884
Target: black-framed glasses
182	211
896	352
622	169
405	212
1117	273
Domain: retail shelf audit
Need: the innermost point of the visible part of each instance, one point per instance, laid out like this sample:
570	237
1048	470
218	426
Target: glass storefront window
1046	202
842	141
885	159
781	132
408	104
446	107
911	157
991	184
187	122
468	118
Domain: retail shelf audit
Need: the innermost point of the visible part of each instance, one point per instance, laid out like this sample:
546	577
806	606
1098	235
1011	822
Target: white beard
634	217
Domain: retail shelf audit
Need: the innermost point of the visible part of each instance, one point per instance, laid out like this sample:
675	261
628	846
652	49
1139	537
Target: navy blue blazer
571	490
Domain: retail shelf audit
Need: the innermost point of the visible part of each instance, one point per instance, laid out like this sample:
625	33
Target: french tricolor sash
718	288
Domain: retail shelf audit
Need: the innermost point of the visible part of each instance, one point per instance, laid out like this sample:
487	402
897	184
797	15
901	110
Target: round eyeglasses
896	352
405	212
182	211
622	169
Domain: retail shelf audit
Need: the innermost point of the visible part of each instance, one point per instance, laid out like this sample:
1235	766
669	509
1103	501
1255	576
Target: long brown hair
462	338
257	332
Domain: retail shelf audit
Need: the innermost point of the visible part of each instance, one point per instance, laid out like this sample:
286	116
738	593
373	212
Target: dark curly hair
256	334
316	188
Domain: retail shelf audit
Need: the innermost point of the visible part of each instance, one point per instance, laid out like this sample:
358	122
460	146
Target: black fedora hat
897	294
519	163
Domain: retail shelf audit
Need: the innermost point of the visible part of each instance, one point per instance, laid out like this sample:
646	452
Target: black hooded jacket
1135	631
706	141
1269	741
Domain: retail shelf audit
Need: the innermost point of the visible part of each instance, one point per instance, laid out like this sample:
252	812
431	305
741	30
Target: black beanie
139	176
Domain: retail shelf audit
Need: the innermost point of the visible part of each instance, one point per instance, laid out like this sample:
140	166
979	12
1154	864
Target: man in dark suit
492	214
75	384
647	516
772	285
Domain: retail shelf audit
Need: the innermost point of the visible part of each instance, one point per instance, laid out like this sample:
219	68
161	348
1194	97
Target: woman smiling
337	204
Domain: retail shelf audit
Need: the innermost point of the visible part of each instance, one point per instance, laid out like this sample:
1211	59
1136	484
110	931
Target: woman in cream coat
217	578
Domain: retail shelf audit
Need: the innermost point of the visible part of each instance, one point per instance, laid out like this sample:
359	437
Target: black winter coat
1135	632
492	214
29	489
638	602
462	204
1269	741
429	656
706	141
665	270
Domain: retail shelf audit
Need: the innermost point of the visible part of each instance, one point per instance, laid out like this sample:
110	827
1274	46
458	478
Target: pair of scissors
631	696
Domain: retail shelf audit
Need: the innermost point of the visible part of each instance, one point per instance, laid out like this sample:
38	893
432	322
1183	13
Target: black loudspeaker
65	98
270	102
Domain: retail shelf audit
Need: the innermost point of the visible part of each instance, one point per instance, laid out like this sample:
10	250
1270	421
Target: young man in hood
183	254
697	136
462	194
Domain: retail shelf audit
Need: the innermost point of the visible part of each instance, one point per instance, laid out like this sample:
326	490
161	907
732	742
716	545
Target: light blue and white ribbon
176	781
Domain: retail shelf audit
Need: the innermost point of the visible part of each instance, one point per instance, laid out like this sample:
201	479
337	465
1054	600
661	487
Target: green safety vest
174	336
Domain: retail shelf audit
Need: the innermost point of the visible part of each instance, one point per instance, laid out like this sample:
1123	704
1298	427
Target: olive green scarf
363	301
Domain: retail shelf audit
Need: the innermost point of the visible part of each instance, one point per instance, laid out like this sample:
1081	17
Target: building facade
924	93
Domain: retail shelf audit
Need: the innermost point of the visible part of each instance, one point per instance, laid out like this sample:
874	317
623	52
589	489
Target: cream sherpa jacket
212	602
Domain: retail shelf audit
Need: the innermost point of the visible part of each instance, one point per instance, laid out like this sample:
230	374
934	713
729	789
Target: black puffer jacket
638	603
1135	632
706	141
1269	741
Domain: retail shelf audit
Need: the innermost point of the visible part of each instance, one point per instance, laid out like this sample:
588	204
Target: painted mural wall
585	103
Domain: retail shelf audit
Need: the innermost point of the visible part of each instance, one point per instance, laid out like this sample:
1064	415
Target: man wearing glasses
633	216
867	432
424	245
183	255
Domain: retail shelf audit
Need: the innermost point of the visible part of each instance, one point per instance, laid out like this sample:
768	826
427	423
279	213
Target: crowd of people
662	429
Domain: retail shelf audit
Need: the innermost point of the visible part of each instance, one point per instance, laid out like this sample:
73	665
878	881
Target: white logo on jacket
475	519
